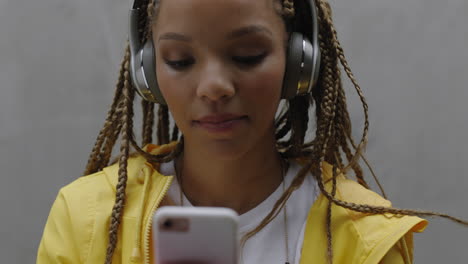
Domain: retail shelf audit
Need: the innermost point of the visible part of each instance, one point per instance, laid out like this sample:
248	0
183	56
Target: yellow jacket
77	228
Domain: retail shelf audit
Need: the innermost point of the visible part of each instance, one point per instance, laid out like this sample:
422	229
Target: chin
226	150
231	146
220	149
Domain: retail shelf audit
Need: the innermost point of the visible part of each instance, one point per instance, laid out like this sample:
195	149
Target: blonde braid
326	129
94	158
148	122
369	209
288	8
112	135
329	112
329	215
115	131
343	128
337	47
127	127
110	142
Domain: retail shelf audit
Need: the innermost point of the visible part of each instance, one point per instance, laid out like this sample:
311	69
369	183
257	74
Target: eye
179	65
250	60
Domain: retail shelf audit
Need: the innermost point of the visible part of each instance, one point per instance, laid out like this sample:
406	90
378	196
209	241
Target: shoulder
99	189
360	237
366	224
86	185
69	226
101	186
374	228
76	229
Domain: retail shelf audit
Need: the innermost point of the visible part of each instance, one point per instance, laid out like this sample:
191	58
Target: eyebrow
231	35
174	36
249	30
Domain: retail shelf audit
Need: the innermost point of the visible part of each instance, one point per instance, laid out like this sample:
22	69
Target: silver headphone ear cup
142	62
149	69
304	85
293	66
139	56
303	60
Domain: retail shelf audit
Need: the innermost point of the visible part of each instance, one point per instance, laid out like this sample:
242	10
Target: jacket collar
136	162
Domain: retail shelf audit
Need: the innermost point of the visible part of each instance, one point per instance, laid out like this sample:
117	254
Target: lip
219	118
220	123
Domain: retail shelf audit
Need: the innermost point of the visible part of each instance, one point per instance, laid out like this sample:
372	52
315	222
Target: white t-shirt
268	245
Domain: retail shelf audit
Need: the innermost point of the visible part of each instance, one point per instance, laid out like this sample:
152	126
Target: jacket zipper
162	194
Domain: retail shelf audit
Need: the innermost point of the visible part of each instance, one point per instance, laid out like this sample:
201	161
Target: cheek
262	89
175	93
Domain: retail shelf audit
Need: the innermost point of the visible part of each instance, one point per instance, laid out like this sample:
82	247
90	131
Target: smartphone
205	235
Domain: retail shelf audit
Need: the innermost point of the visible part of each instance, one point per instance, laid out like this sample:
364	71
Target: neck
240	183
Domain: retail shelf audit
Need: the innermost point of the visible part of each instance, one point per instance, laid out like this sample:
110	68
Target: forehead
216	15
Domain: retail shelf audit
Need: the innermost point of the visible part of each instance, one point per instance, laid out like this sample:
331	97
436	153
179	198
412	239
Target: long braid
114	130
344	62
326	129
148	122
109	145
328	147
159	158
370	169
370	209
93	159
339	134
288	8
114	133
343	128
329	215
147	107
127	128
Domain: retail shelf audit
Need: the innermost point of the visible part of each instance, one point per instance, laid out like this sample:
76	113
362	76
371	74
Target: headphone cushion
149	68
294	60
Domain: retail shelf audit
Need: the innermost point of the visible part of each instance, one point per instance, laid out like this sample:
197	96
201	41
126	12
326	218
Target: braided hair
332	143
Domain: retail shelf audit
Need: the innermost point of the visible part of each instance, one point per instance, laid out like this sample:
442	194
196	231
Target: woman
222	68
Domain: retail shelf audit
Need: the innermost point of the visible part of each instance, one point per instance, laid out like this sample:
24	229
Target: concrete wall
59	63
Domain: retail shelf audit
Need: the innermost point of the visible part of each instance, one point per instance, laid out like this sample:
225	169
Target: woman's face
220	67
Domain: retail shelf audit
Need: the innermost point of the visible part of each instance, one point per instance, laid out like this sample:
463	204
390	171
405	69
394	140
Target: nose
215	83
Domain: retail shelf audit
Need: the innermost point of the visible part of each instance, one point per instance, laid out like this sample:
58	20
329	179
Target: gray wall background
58	67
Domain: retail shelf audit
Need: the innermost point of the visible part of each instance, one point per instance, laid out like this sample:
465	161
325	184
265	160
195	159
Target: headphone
302	61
